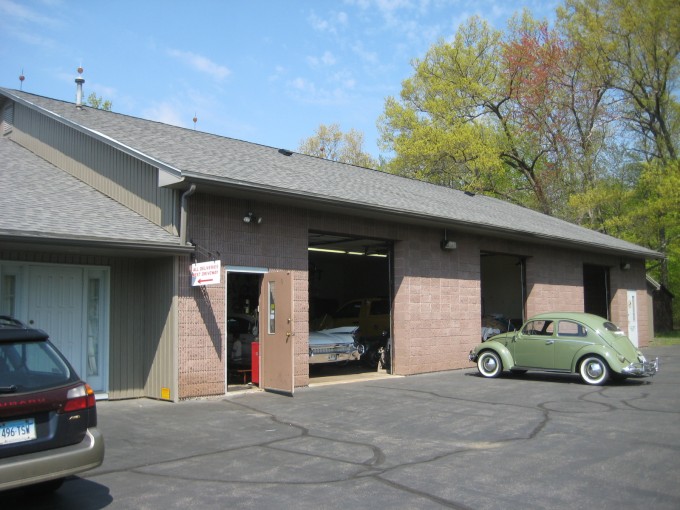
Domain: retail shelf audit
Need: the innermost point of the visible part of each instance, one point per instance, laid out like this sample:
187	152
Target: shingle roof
40	201
229	162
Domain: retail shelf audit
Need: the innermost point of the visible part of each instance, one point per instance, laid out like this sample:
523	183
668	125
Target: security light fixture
446	244
251	218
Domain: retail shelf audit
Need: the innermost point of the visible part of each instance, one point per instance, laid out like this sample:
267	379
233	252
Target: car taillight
80	397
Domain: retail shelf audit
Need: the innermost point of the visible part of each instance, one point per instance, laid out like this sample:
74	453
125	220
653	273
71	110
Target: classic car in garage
334	345
570	342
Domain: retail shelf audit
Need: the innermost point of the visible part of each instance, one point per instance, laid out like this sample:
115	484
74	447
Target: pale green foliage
330	142
98	102
632	46
511	115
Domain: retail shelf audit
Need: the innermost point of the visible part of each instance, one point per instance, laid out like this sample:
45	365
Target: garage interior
596	292
243	297
344	269
503	292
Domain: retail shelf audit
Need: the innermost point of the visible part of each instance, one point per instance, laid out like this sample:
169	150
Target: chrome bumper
472	356
334	353
642	369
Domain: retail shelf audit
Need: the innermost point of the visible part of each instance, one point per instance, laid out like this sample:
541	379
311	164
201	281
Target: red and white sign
206	273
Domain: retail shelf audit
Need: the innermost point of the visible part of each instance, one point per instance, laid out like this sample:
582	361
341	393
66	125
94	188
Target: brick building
108	212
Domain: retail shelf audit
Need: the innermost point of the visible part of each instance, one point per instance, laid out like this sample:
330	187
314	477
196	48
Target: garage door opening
349	287
503	293
596	292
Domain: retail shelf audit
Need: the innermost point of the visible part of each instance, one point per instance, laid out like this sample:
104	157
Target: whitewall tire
594	370
489	364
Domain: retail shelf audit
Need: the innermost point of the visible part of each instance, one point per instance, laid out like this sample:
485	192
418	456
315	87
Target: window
349	311
8	295
570	328
542	328
380	307
272	308
32	365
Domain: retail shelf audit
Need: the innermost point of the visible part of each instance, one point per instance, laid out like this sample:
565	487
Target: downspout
183	215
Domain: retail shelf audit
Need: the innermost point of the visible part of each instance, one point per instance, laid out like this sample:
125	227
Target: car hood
341	335
504	338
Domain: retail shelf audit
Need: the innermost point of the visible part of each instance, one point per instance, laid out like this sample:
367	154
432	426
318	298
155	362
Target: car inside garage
350	286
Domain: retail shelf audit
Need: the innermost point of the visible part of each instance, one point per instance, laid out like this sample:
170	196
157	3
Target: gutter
183	215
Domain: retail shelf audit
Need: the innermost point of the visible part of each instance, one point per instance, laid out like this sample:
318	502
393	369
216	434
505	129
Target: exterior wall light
251	218
446	244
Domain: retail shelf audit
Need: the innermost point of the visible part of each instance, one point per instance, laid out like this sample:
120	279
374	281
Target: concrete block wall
216	224
437	302
437	295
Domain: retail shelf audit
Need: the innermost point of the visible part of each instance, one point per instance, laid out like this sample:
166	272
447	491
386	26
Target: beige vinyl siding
127	180
161	357
143	318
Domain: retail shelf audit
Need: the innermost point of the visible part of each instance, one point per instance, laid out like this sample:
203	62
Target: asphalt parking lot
443	440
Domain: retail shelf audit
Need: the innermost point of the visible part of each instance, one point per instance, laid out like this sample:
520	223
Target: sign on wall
206	273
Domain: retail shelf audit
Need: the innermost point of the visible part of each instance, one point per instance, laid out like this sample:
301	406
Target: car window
538	327
238	325
610	326
380	307
30	366
349	311
570	328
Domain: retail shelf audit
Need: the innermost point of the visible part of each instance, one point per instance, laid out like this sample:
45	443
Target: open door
276	333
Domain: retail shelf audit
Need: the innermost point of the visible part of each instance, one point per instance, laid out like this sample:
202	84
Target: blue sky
264	71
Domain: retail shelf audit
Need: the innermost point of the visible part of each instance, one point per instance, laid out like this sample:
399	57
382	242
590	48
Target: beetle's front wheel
594	370
489	364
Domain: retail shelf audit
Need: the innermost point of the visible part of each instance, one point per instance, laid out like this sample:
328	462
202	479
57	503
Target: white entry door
632	317
69	304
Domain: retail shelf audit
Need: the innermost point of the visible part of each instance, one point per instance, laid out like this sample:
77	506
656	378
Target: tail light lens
79	398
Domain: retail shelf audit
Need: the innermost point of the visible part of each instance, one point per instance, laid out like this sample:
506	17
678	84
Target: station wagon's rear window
31	366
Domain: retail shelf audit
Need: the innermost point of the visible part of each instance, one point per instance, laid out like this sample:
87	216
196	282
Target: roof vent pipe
79	89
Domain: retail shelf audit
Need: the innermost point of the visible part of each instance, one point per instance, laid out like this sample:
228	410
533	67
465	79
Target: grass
670	338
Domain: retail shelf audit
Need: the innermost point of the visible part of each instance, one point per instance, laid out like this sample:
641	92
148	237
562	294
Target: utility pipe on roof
183	215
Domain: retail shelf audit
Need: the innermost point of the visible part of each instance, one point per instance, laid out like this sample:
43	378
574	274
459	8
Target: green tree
98	102
330	142
511	115
633	47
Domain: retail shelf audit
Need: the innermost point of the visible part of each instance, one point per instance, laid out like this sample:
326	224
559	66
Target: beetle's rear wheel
594	370
489	364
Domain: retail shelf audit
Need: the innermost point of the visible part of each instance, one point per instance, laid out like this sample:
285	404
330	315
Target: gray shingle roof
41	201
230	162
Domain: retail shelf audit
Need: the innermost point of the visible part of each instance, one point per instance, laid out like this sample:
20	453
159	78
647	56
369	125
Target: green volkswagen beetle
568	342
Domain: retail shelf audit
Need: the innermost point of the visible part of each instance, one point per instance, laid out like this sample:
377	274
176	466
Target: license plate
332	357
17	431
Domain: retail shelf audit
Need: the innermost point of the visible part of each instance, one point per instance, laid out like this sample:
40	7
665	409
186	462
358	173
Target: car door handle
549	342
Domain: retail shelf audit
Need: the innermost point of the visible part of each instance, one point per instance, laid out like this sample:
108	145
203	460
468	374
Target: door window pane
272	309
93	326
8	299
